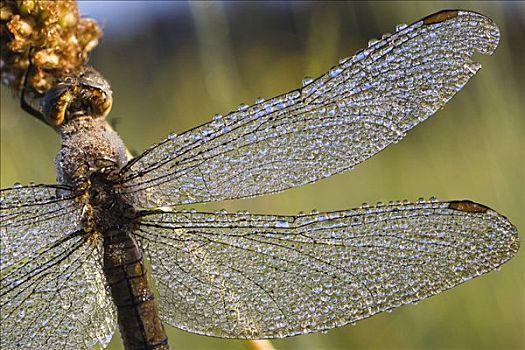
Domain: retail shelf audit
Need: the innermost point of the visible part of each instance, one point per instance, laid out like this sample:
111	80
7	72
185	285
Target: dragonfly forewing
267	276
333	123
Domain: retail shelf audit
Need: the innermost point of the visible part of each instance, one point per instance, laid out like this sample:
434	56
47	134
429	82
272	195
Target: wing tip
492	30
511	232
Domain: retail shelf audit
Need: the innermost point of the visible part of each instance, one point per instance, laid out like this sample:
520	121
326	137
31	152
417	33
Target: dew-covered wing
33	217
52	292
257	276
358	108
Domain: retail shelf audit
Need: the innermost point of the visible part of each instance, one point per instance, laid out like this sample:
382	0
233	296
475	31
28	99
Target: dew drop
400	27
294	95
282	224
372	42
335	71
343	60
307	80
360	55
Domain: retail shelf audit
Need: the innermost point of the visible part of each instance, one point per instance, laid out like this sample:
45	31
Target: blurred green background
173	68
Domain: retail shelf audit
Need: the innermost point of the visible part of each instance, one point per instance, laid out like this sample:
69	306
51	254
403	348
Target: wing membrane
57	300
32	217
354	111
52	292
257	276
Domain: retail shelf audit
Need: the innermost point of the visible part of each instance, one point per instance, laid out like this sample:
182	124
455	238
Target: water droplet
343	60
307	81
400	27
372	42
242	107
282	224
293	95
335	71
472	67
360	55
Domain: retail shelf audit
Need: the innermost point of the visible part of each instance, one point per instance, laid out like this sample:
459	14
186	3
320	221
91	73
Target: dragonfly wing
259	276
52	291
357	109
31	217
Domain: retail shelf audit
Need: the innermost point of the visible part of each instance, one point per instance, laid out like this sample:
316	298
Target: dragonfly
242	275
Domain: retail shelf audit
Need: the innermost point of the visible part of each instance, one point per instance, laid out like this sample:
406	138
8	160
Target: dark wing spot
440	16
468	206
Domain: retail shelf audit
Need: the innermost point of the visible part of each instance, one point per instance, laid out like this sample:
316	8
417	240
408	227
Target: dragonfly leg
27	107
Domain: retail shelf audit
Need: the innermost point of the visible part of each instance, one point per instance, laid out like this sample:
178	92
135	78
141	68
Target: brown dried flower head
49	33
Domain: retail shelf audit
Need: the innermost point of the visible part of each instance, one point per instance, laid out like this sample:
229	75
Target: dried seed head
51	34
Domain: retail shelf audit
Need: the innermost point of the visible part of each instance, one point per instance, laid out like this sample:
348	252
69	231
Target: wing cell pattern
52	290
262	276
32	217
333	123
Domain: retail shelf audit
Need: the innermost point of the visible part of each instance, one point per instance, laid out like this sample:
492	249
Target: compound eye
100	101
96	90
86	94
55	103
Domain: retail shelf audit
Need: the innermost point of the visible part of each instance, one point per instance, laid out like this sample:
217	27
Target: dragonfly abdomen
126	276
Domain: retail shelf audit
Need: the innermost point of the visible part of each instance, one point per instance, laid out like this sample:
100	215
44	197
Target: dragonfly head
83	93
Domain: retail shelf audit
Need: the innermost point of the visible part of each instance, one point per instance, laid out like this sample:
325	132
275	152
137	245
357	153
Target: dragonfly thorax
105	209
89	161
88	147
